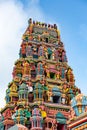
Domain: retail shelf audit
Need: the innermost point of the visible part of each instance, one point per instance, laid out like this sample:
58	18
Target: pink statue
72	113
7	114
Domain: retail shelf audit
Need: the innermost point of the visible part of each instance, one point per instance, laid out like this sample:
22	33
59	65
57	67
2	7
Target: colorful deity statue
62	73
17	71
60	55
48	73
35	52
70	76
64	59
26	68
50	56
72	113
23	50
65	96
45	52
28	50
7	114
53	54
49	93
31	26
56	54
40	69
41	51
58	74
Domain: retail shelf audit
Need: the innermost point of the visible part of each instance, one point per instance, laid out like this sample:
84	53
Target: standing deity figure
35	51
40	51
58	74
26	68
31	26
56	54
7	114
48	73
28	50
45	53
40	69
62	73
23	50
64	96
53	54
64	58
49	93
70	76
72	113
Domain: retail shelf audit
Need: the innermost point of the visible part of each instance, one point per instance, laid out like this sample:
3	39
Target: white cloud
13	22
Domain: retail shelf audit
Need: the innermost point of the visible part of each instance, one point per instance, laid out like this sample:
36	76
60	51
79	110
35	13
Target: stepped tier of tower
43	83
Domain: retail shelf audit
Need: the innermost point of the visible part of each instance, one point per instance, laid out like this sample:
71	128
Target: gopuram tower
43	84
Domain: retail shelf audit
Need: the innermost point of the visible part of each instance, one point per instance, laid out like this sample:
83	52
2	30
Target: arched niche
61	121
56	95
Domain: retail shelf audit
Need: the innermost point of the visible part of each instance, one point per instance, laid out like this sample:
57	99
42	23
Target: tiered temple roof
43	83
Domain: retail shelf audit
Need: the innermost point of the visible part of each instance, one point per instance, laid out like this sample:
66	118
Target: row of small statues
42	24
47	53
26	68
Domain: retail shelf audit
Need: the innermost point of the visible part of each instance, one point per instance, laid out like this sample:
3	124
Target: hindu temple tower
43	84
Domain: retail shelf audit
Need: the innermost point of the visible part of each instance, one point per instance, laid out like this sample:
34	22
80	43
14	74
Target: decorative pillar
36	117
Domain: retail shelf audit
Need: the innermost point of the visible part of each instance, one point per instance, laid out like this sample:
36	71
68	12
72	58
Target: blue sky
69	15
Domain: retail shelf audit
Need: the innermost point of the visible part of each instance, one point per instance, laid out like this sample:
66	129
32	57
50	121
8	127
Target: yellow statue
26	68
